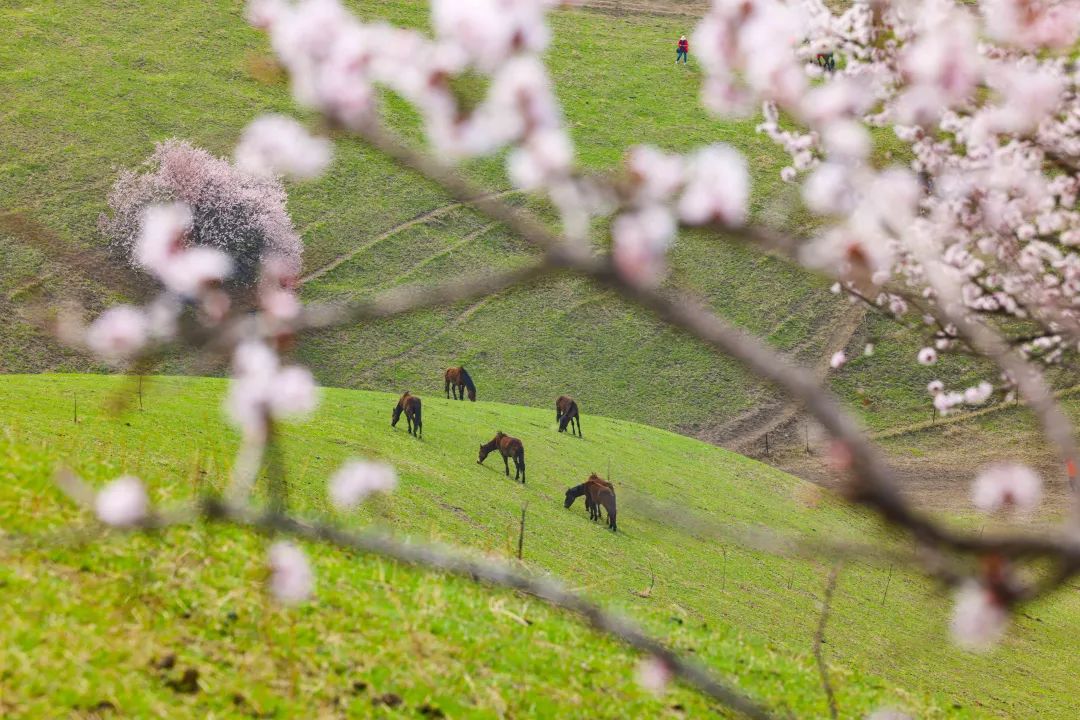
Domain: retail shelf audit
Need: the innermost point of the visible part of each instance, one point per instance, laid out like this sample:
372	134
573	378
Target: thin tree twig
819	639
446	560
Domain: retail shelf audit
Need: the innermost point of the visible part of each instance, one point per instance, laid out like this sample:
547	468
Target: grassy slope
82	625
133	73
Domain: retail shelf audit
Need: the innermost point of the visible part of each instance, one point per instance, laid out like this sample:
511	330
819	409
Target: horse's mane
593	477
466	379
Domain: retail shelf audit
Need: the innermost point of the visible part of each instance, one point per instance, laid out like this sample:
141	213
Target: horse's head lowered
486	448
573	494
396	416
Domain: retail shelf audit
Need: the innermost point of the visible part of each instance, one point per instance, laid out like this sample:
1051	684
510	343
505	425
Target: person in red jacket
683	50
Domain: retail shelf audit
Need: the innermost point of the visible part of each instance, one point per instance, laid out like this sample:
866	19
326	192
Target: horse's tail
417	415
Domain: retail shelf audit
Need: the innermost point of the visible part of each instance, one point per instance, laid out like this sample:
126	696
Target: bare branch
445	560
819	639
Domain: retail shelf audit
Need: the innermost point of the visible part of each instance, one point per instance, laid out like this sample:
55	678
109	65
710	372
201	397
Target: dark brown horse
410	405
510	447
458	380
566	414
598	493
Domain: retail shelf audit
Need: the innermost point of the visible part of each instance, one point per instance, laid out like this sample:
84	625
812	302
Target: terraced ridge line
386	234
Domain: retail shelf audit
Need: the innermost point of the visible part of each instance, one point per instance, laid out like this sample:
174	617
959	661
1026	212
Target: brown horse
566	414
458	381
410	405
510	447
597	493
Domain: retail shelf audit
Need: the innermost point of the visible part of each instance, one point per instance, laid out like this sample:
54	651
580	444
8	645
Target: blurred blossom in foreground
640	241
161	250
979	619
262	390
118	333
357	479
122	503
291	578
888	714
1007	486
653	674
717	188
279	145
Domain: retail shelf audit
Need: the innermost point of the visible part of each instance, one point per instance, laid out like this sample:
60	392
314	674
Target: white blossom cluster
986	97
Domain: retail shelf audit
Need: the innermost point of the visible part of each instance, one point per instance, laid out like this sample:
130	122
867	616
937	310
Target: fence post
723	574
521	530
806	425
888	582
140	393
75	397
766	444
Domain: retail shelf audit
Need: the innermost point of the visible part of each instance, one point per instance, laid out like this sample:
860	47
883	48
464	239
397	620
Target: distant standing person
683	50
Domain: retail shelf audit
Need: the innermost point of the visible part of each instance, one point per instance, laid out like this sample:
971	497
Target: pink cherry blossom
717	188
935	387
122	503
278	145
653	674
640	243
357	479
294	393
118	333
927	356
838	360
291	578
979	619
161	250
978	394
162	235
261	390
1007	486
656	175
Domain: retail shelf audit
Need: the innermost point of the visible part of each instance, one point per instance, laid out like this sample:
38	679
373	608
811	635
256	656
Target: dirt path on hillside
345	257
780	417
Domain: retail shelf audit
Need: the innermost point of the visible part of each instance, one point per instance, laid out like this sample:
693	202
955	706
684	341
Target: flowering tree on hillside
238	210
975	235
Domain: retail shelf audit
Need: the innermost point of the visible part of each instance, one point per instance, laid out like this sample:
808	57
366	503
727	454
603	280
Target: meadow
91	618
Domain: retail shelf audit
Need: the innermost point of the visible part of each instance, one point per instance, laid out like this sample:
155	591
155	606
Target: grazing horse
410	405
509	447
566	414
597	493
459	381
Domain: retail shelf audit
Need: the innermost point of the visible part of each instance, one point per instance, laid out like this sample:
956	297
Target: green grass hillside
91	622
87	90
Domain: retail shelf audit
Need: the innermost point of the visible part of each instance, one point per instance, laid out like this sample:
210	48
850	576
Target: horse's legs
577	422
506	462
